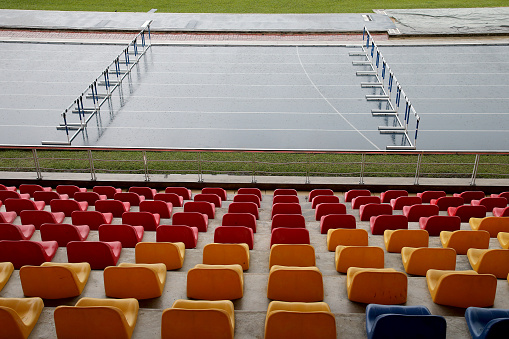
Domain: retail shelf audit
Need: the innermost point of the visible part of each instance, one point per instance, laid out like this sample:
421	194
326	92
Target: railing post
145	163
474	171
36	164
91	163
363	160
253	175
307	171
200	173
418	169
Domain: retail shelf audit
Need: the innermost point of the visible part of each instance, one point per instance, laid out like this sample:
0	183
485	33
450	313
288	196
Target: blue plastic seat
398	322
487	322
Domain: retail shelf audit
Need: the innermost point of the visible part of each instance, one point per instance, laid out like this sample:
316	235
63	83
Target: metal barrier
392	89
98	99
152	161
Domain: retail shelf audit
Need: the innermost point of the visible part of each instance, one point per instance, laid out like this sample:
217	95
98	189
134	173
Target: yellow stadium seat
492	261
226	254
418	260
291	283
490	224
376	285
503	239
215	282
298	320
395	240
97	318
461	288
189	319
18	316
302	255
54	280
6	269
171	254
462	240
140	281
358	256
346	237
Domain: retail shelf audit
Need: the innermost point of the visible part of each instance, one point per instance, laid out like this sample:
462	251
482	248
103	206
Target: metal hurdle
91	92
391	88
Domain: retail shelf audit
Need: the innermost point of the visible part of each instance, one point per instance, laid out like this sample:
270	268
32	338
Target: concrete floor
250	310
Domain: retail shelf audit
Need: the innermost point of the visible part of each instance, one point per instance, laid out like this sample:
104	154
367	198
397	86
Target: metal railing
149	162
98	99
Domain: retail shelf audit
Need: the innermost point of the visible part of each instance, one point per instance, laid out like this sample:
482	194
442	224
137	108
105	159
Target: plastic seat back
148	220
19	205
92	219
285	208
139	281
147	192
319	191
31	188
358	256
128	235
487	323
427	196
444	203
300	255
48	196
234	235
255	191
90	197
64	233
162	208
379	286
115	207
178	233
212	198
215	282
333	221
175	199
285	199
132	198
284	235
27	252
387	196
320	199
372	210
6	269
16	232
108	191
18	316
203	207
247	198
400	202
239	219
465	212
288	221
462	240
97	253
285	191
418	261
37	218
395	240
215	190
185	193
415	212
301	284
468	196
170	254
346	237
70	190
351	194
357	202
380	223
226	254
243	207
4	195
193	219
329	208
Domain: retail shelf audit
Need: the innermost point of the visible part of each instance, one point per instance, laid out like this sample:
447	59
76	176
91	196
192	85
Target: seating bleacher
37	218
438	223
234	235
418	260
175	199
18	205
215	282
351	194
215	190
300	255
203	207
380	223
64	233
426	196
255	191
444	203
297	284
27	252
18	316
247	198
490	203
148	220
332	221
329	208
209	197
286	208
171	254
92	219
226	254
178	233
462	240
139	281
90	197
68	206
373	210
239	219
468	196
132	198
358	256
70	190
193	219
387	196
400	202
47	196
319	199
164	209
97	253
184	192
128	235
357	202
12	195
9	231
244	207
116	207
415	212
285	199
283	235
108	191
288	221
465	212
376	285
319	191
146	192
31	188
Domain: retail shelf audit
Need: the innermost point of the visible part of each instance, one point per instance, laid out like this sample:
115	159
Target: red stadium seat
209	197
70	190
108	191
387	196
147	192
178	233
37	218
16	232
203	207
247	198
215	190
380	223
438	223
319	191
185	193
30	189
97	253
444	203
68	206
133	198
148	220
285	208
92	219
193	219
7	217
372	210
234	235
329	208
282	235
288	221
320	199
64	233
27	252
90	197
160	207
175	199
18	205
285	199
427	196
7	188
415	212
285	191
400	202
116	207
468	196
255	191
501	195
501	212
239	219
333	221
465	212
351	194
128	235
47	196
243	207
490	202
12	195
363	200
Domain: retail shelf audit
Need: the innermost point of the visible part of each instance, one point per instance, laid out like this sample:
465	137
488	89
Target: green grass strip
494	166
242	6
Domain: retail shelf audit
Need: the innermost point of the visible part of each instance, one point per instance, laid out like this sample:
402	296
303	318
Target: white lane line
331	105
